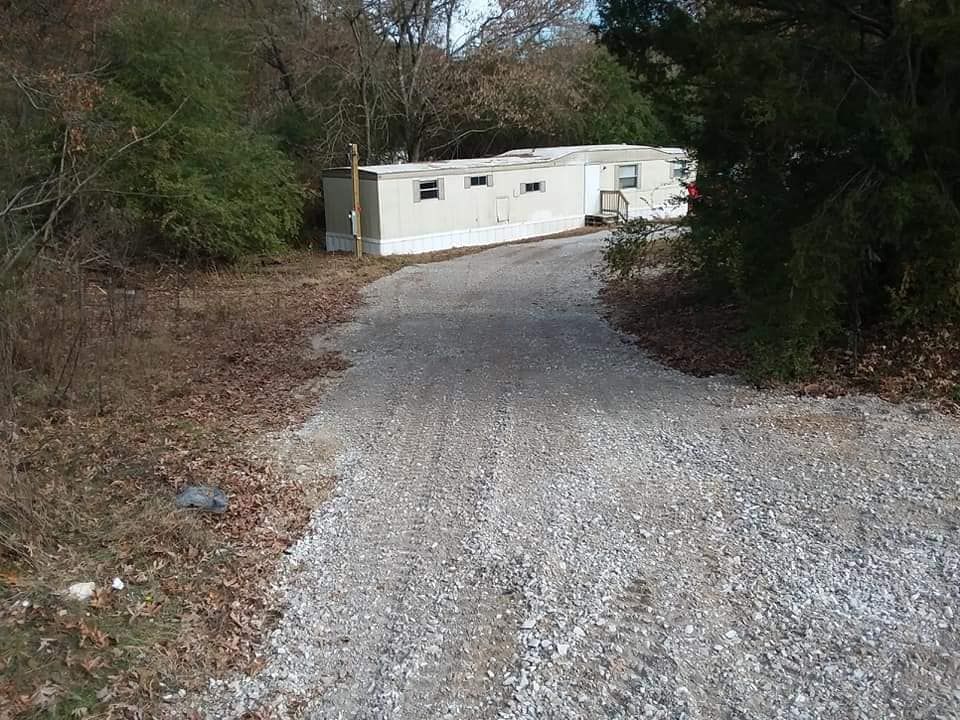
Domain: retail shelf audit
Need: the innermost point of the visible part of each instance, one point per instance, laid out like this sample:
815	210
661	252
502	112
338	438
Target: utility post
355	215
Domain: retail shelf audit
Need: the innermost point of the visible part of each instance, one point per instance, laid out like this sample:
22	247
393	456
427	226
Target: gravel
535	521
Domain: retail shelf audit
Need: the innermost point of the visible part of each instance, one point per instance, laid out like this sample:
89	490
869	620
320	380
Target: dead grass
125	390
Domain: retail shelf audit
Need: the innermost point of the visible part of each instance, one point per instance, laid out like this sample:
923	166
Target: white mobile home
420	207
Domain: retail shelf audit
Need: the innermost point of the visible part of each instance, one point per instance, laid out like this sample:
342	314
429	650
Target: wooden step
601	220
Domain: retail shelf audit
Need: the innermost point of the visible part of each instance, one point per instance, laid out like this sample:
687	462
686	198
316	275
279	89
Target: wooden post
355	173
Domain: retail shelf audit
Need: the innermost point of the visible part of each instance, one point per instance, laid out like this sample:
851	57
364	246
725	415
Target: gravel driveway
534	521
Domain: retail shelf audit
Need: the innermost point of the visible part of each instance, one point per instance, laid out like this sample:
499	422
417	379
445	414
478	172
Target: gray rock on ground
202	497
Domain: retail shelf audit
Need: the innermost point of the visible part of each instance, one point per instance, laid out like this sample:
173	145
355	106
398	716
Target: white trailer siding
520	194
467	216
658	193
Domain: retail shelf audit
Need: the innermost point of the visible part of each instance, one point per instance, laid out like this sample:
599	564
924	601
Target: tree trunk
414	141
364	82
368	111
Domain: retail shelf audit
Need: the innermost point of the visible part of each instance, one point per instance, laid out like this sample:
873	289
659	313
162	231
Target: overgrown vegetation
829	161
160	160
205	185
641	244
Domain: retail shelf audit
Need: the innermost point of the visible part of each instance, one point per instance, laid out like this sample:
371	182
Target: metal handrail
613	201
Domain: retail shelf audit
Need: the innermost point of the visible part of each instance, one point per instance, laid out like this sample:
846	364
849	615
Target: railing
613	201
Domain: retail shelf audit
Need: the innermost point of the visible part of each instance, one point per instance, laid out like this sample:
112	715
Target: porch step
603	219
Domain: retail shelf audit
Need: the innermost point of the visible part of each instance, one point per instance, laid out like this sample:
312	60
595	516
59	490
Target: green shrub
628	247
639	244
615	111
205	185
828	147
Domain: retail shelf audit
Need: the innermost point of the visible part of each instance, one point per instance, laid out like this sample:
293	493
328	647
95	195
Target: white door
503	209
591	189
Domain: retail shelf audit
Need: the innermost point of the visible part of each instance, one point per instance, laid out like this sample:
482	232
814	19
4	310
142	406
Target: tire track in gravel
409	521
413	519
534	521
419	653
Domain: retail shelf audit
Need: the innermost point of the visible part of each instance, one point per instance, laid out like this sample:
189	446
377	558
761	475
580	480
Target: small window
626	177
533	187
429	189
680	169
476	180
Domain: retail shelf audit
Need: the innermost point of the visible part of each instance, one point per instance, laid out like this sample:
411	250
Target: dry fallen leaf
89	664
101	598
93	634
46	695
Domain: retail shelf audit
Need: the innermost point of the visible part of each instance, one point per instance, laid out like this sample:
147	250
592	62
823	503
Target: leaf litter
207	364
675	322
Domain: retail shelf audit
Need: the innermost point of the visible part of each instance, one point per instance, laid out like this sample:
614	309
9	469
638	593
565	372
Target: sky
473	9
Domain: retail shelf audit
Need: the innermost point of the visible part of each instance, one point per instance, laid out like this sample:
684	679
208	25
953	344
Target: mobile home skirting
471	237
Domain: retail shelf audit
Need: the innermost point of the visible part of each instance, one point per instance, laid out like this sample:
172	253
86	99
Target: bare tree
427	51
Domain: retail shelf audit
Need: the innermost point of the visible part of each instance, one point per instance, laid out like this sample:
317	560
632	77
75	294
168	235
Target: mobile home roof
513	159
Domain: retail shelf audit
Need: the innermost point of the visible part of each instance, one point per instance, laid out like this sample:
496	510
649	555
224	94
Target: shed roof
523	157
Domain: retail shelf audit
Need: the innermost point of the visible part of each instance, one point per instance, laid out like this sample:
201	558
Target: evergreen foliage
828	141
206	185
615	111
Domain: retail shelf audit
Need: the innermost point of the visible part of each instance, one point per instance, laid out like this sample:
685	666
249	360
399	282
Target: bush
205	185
639	244
628	248
828	149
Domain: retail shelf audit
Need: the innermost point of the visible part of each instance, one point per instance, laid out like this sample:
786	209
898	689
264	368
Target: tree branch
64	200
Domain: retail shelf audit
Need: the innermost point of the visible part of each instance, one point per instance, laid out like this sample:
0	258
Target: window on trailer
539	186
429	189
478	181
626	177
680	169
